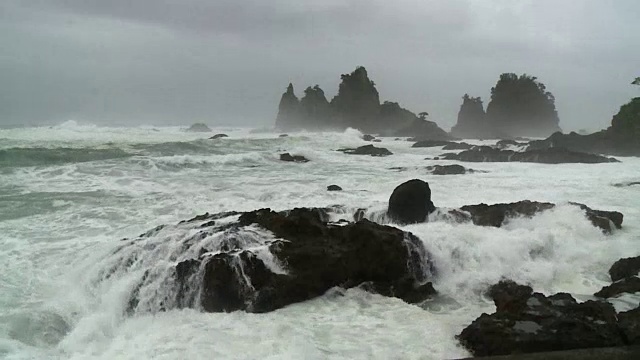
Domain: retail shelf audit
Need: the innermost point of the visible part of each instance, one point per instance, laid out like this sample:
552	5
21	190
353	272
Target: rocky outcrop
522	106
293	158
526	322
367	137
288	110
471	119
357	105
410	202
622	138
334	188
198	127
458	146
316	256
629	324
496	214
543	156
625	268
448	169
629	284
367	150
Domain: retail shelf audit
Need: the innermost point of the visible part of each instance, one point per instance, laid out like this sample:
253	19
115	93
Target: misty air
319	179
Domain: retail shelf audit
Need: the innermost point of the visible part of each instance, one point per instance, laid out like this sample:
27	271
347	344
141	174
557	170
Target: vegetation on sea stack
522	106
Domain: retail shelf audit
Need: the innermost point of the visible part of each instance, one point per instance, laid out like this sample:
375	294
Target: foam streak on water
65	287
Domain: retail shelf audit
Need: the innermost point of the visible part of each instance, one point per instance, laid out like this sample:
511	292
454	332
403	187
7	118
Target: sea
70	193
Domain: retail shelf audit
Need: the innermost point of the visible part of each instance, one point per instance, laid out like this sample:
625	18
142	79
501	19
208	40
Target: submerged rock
544	156
293	158
367	150
198	127
410	202
218	136
367	137
526	322
334	188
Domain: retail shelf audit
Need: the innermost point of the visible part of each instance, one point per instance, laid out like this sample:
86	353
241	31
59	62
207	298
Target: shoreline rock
543	156
367	150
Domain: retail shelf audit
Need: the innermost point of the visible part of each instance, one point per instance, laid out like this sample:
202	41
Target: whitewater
70	193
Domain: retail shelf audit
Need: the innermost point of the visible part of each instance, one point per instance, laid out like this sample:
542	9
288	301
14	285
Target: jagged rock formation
622	138
471	119
519	106
288	110
356	105
314	108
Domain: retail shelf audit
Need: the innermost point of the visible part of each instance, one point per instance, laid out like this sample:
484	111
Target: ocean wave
40	156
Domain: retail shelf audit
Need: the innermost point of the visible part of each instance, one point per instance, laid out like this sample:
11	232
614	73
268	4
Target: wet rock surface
293	158
624	268
410	202
315	256
367	150
526	322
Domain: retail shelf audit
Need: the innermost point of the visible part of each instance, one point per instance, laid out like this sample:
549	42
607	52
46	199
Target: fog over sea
70	193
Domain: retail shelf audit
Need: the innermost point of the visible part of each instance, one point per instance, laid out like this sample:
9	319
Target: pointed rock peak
290	89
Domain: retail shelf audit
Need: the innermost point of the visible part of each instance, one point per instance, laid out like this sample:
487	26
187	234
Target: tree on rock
423	115
288	110
471	119
522	106
636	81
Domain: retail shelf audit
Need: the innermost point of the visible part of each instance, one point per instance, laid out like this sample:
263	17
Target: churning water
71	193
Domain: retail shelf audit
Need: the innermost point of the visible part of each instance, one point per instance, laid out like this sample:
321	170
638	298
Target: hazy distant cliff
356	105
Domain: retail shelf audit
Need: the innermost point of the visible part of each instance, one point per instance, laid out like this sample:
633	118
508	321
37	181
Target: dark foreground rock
218	136
496	214
367	150
629	323
316	256
293	158
543	156
624	268
608	353
334	188
410	202
526	322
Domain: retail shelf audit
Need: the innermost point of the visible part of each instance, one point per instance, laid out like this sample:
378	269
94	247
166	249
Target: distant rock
502	144
526	322
543	156
356	105
367	150
288	110
447	169
458	146
283	135
471	119
622	138
367	137
334	188
293	158
410	202
218	136
625	268
198	127
631	183
430	143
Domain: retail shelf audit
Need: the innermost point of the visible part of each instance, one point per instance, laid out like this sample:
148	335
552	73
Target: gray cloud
227	62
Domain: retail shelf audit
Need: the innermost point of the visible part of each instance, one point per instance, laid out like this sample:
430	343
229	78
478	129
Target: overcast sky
226	62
